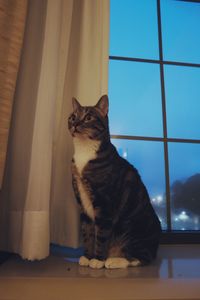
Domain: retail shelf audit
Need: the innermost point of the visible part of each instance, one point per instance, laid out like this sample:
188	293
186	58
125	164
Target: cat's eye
73	118
88	118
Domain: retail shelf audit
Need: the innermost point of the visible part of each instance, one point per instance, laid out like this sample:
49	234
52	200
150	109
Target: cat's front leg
102	233
88	232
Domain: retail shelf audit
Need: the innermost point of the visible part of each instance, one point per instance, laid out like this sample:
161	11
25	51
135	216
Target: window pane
184	162
133	28
145	156
182	101
181	30
135	99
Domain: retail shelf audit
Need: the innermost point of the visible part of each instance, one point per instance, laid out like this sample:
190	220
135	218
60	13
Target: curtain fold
12	24
65	54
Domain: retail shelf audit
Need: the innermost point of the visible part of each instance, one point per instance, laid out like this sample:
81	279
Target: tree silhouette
186	195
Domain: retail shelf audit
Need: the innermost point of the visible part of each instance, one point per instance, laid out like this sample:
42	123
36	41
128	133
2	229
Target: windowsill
174	275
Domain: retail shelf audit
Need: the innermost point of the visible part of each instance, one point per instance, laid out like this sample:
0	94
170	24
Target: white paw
96	264
116	263
135	262
84	261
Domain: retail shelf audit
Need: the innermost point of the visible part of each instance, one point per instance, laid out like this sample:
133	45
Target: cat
119	225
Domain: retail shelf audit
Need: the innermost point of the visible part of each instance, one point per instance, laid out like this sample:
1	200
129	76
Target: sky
135	92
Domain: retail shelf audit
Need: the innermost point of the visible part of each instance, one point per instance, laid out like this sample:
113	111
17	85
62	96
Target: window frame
169	235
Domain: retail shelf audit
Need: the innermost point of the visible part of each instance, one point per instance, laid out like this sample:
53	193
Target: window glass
135	99
183	101
181	30
184	170
133	28
148	158
135	102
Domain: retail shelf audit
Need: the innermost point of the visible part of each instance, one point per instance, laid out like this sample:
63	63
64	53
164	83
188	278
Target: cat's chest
86	198
85	150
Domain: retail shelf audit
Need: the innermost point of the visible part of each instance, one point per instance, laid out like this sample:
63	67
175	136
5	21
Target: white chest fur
85	150
86	199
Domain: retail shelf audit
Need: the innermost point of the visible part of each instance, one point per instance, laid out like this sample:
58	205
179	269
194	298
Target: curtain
12	24
65	54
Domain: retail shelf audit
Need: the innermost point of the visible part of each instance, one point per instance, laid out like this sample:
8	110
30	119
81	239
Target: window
154	91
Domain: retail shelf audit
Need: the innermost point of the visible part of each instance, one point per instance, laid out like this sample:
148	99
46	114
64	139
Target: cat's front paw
96	264
84	261
116	263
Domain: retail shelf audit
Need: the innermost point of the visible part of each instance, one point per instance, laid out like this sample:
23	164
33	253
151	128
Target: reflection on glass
135	99
182	101
187	267
145	156
133	28
184	165
181	31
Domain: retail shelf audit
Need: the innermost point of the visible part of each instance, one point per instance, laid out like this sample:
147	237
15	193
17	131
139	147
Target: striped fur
119	225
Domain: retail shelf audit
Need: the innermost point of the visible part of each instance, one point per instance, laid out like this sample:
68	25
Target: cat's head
89	121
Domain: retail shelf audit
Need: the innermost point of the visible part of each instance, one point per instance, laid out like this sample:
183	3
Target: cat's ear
76	105
102	105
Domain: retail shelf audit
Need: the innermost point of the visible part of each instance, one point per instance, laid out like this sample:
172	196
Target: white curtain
65	54
12	25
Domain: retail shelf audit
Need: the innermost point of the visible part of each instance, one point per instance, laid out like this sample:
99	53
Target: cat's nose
73	128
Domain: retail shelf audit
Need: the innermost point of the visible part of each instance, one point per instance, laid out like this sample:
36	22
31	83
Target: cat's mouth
74	130
77	132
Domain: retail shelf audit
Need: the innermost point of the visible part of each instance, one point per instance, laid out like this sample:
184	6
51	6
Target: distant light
159	199
125	154
183	216
176	219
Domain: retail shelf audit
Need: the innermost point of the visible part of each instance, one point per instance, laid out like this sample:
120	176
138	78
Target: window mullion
166	156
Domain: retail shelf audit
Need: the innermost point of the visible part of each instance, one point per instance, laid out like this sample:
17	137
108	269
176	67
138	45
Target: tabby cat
119	225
